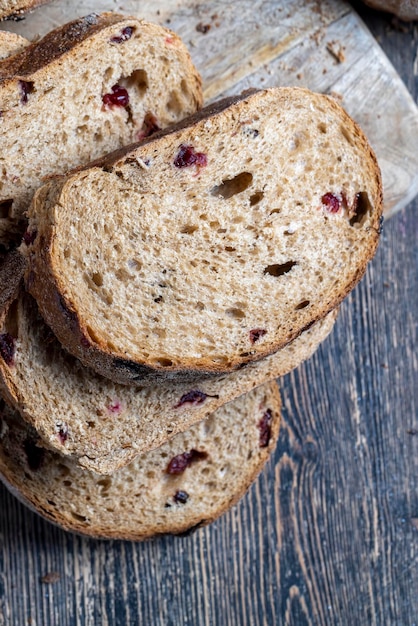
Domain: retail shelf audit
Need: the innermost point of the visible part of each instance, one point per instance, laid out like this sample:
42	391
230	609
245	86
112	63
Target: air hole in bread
11	324
105	484
275	211
188	229
81	129
92	334
52	503
5	206
278	269
162	362
232	186
347	135
97	278
256	198
322	127
236	313
302	305
138	80
362	208
174	103
91	424
63	469
199	306
78	518
185	88
134	265
230	249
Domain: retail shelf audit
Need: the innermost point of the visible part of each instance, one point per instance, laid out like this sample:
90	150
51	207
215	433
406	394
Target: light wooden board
284	42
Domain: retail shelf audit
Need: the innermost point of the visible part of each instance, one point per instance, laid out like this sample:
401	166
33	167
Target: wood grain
327	536
320	45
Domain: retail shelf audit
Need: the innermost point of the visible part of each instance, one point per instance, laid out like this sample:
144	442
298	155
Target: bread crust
48	284
14	467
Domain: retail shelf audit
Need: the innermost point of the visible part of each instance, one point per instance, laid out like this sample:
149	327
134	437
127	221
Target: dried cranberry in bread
102	424
211	245
15	8
187	482
405	9
83	90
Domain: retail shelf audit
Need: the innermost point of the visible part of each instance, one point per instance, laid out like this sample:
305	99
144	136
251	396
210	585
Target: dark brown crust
55	44
12	269
26	7
48	288
22	490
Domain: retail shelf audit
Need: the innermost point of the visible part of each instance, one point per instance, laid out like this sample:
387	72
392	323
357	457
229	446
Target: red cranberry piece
118	98
85	342
169	40
29	237
194	397
180	497
264	426
256	334
331	202
26	88
187	156
115	407
34	454
125	34
181	462
7	348
62	433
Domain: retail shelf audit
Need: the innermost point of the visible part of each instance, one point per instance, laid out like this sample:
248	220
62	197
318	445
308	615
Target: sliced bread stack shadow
159	289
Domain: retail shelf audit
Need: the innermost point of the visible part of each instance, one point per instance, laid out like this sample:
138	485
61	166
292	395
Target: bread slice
186	483
83	90
102	424
11	44
210	246
13	9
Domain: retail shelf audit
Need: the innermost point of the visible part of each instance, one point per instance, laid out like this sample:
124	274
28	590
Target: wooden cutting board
321	44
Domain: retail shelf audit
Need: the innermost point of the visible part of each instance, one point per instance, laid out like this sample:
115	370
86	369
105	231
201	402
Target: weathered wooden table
328	534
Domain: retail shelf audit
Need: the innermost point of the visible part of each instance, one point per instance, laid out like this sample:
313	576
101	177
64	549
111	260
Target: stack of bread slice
159	290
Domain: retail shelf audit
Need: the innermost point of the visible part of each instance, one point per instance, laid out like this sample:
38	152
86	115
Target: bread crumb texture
212	245
105	425
187	482
83	90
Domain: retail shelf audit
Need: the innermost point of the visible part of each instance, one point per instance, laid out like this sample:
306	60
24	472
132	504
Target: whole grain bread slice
13	9
210	246
102	424
186	483
91	86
